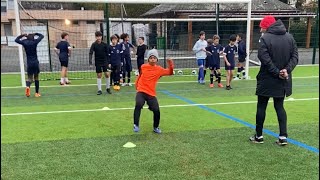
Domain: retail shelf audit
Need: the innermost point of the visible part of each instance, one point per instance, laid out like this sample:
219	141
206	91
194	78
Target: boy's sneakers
220	85
236	78
62	84
124	84
202	82
68	82
157	130
108	91
99	92
211	85
37	95
228	87
129	84
27	91
116	87
255	139
136	128
282	141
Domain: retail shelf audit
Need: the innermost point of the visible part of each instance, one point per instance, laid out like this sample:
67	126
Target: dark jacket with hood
277	51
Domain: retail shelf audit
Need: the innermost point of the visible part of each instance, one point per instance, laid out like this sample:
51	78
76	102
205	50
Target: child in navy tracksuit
228	55
126	60
242	54
213	62
115	55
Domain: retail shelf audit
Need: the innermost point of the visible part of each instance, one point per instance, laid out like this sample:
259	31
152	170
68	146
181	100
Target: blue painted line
269	132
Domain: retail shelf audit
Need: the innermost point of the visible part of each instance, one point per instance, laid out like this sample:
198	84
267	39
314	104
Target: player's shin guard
129	76
211	78
111	79
136	115
99	83
36	83
28	83
108	82
219	77
239	71
201	73
156	118
243	72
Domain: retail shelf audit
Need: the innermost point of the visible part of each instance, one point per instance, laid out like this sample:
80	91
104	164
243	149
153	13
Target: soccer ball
194	72
180	72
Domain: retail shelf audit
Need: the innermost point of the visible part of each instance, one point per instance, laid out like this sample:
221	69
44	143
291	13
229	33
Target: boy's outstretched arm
168	71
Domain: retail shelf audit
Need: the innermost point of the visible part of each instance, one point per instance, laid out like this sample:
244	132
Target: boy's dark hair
209	41
64	34
201	33
117	36
98	33
142	38
30	36
233	38
216	37
124	35
113	37
241	35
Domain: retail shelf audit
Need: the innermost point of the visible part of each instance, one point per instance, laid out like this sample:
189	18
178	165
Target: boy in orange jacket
146	89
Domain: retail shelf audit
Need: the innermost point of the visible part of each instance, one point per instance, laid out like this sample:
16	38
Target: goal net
173	29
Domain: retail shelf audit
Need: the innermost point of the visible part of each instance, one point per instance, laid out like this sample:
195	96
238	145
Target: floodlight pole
217	18
18	32
122	18
248	40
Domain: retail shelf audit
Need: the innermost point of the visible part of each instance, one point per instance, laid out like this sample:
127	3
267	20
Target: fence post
315	40
49	53
106	16
165	45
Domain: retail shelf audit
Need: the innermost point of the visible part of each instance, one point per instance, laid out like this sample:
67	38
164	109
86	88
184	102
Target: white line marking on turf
131	108
168	82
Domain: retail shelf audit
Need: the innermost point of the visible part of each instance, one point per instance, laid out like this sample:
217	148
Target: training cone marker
129	145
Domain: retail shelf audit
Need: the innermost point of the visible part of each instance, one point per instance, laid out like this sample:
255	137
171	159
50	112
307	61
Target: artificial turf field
71	133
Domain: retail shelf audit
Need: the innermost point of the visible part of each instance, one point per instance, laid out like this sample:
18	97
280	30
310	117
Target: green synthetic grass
195	143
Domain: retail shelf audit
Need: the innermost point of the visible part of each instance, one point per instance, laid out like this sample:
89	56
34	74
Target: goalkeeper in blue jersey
30	43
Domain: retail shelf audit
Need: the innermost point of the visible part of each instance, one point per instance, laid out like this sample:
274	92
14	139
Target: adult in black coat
278	55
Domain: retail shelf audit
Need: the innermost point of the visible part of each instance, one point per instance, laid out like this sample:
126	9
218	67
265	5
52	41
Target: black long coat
277	51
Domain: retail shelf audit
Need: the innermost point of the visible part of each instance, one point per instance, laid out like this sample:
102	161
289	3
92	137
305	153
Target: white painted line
131	108
89	71
168	82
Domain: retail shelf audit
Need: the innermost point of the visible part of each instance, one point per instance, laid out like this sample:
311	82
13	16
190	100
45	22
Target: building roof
55	15
259	6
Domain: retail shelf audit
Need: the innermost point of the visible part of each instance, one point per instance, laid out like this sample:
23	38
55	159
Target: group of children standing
208	56
113	60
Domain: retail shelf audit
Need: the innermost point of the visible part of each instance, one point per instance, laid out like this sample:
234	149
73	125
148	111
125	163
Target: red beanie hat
267	21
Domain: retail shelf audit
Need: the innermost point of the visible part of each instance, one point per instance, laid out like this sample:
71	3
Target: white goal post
248	2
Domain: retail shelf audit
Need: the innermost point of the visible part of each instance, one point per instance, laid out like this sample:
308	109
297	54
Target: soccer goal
81	18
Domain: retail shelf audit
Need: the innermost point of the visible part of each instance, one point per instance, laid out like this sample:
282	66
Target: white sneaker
129	84
123	84
236	78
